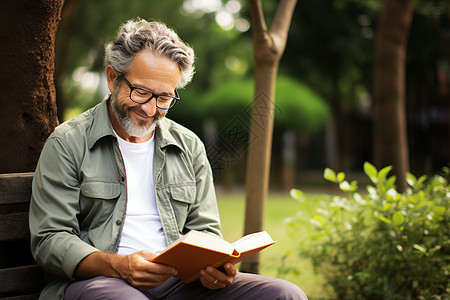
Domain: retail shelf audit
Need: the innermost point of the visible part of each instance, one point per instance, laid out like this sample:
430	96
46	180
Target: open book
196	250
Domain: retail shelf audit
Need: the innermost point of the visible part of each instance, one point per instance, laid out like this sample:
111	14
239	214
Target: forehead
153	70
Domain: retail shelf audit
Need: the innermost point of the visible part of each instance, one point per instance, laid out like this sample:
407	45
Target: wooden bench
20	276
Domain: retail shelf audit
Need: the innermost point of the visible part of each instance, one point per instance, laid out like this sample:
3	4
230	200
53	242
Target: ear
111	76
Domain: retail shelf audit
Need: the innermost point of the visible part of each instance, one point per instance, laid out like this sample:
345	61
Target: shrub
381	244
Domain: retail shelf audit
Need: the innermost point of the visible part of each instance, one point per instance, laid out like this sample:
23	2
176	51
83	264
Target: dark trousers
245	286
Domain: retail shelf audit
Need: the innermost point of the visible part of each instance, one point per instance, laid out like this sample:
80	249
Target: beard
122	114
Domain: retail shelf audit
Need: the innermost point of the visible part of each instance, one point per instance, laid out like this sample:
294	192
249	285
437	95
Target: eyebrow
149	90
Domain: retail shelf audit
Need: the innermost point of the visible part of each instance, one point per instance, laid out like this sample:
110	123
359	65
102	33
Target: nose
150	107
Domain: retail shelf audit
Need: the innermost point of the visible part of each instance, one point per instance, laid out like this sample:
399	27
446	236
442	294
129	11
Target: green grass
279	207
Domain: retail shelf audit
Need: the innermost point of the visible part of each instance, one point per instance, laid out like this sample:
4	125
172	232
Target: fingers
231	270
141	261
152	276
212	278
144	274
144	281
209	281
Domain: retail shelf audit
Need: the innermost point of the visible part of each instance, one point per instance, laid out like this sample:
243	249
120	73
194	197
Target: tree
28	112
268	47
390	133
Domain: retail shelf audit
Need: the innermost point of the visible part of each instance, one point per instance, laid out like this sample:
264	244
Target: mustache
137	109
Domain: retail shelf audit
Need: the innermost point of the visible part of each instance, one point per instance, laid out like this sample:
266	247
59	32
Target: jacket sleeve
204	214
54	207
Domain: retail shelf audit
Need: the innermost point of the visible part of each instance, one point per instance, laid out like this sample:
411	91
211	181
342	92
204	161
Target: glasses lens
140	95
165	101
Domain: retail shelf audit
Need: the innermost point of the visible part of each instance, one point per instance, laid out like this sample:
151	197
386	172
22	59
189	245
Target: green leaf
411	179
423	207
297	195
421	179
329	175
382	175
384	219
353	185
435	249
421	248
370	171
398	218
344	186
317	221
340	177
390	182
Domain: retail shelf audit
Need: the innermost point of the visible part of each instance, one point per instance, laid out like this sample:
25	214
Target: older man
120	182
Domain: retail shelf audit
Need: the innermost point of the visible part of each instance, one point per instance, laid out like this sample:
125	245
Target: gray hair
138	35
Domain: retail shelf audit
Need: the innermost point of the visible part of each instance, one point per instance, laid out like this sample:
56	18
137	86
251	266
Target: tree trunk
28	113
268	46
390	131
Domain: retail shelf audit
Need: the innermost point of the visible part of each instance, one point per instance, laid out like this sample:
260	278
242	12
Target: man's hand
213	279
136	268
139	272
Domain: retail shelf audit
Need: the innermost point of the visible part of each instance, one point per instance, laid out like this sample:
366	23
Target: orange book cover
196	250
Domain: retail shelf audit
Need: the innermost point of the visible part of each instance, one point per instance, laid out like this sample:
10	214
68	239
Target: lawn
279	207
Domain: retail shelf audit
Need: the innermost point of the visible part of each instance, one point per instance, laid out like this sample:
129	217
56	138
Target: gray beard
126	122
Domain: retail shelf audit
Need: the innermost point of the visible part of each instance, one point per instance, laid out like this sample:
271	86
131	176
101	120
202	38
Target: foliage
300	108
382	244
228	99
297	107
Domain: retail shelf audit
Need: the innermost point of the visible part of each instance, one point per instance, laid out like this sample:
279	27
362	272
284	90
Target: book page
253	241
208	241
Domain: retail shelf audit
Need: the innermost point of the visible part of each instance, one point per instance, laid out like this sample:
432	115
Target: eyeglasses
142	96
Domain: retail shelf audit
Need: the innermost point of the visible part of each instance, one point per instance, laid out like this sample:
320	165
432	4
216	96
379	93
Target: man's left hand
213	279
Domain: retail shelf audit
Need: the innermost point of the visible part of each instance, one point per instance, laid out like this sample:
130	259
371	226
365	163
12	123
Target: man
120	182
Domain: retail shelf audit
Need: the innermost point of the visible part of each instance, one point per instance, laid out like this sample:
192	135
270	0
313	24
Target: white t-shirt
142	229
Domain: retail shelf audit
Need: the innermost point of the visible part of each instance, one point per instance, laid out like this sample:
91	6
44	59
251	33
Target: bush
297	107
381	244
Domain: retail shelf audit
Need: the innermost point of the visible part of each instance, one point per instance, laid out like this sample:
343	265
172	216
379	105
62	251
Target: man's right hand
136	268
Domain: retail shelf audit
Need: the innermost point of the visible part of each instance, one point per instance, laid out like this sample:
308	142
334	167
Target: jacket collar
101	124
164	134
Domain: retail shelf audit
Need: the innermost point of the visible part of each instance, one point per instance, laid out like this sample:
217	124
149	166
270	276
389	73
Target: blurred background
323	105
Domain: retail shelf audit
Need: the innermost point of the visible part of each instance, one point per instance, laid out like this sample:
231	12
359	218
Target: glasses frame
153	95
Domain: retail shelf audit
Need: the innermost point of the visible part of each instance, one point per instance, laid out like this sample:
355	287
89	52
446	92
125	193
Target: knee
285	290
260	287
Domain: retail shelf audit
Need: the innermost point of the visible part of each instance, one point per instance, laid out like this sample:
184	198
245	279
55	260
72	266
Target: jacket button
119	222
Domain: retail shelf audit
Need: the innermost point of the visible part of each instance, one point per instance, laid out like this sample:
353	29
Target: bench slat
21	279
23	297
14	226
15	188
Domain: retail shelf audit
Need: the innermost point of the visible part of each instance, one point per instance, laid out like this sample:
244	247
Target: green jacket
79	192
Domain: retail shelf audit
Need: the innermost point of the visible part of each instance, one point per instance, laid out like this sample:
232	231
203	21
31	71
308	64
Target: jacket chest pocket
98	201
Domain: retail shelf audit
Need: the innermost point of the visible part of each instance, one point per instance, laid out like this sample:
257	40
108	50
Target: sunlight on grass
278	208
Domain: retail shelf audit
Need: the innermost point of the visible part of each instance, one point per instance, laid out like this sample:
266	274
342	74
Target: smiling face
132	121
